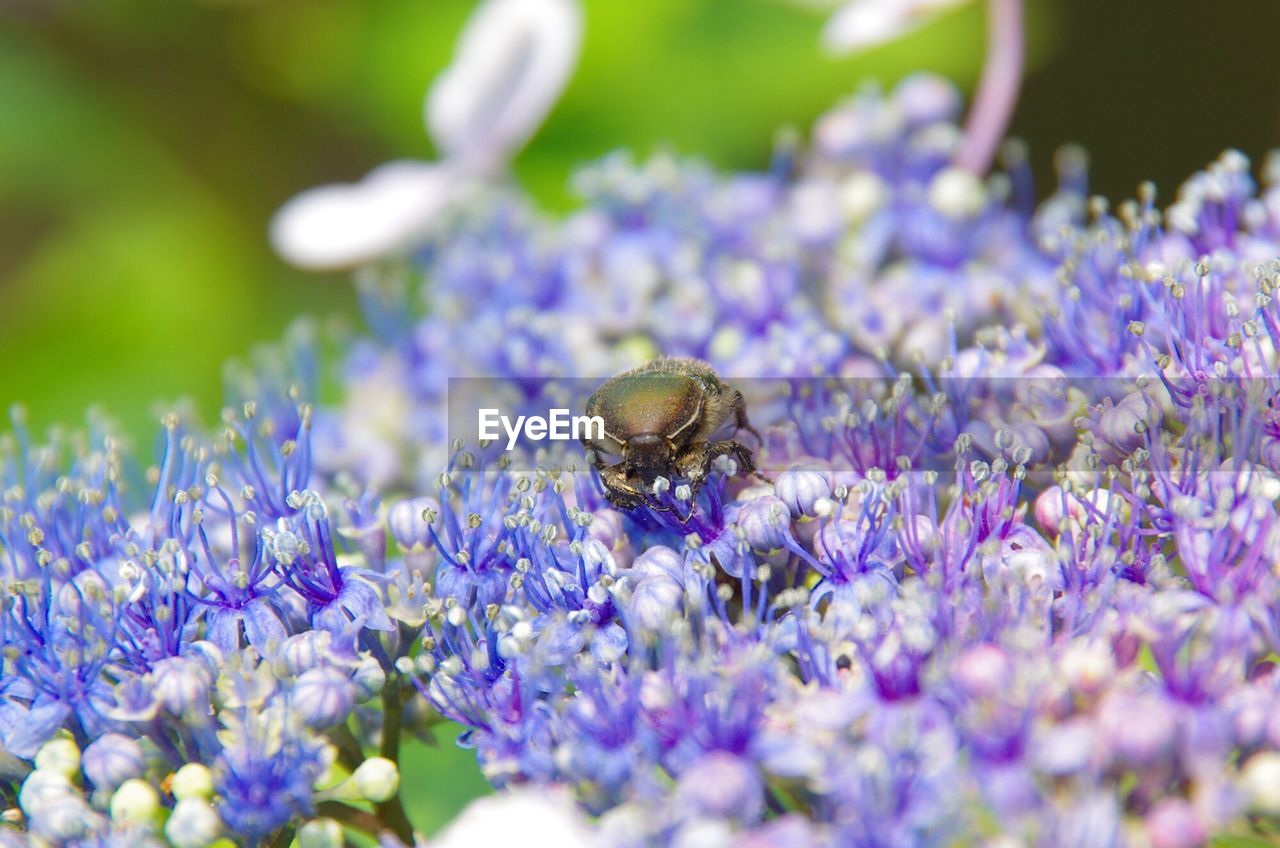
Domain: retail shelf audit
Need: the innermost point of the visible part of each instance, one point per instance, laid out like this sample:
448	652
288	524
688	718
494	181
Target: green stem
392	711
284	837
392	811
359	819
350	753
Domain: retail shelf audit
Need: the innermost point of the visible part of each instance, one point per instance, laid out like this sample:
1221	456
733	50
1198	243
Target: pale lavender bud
181	685
111	759
766	523
322	697
1122	426
659	561
606	527
1138	729
1173	824
927	99
1087	668
305	651
983	671
801	489
723	785
656	600
368	678
193	824
65	819
407	523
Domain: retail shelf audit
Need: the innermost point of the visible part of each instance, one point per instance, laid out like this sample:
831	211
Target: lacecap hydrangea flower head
1014	578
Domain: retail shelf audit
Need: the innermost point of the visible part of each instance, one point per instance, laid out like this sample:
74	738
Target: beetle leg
617	490
740	416
693	463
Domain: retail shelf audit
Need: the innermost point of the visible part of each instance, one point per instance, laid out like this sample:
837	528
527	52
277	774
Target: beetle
670	418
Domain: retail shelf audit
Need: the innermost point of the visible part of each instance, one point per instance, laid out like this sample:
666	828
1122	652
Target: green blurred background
144	146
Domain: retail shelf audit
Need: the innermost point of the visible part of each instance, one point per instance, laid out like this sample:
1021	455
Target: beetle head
647	455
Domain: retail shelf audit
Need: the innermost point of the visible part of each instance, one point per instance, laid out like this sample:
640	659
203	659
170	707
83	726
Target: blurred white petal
512	61
340	226
863	24
529	817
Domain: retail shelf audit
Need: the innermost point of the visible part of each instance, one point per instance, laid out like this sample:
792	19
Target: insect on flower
669	419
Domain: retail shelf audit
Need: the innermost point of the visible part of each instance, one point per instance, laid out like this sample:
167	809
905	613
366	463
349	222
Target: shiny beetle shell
670	418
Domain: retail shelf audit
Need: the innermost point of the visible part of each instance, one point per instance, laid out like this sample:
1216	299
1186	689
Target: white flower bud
320	833
376	779
957	193
59	754
1260	780
134	802
192	781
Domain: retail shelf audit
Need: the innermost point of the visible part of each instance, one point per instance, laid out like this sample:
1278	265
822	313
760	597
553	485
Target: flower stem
998	89
392	811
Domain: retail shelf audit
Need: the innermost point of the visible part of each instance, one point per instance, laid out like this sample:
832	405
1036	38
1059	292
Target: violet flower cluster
1016	580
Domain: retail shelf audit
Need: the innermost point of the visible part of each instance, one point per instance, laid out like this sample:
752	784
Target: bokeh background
144	146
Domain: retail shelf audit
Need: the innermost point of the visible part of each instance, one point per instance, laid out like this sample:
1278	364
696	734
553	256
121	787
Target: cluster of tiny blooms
1017	584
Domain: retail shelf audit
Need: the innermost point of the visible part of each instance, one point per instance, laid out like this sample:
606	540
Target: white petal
341	226
863	24
528	817
512	61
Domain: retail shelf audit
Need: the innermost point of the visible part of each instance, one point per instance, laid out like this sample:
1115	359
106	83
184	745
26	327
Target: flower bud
1053	505
181	685
320	833
305	651
322	697
655	601
957	193
42	788
111	759
606	528
407	523
65	819
722	785
1121	427
1087	668
370	538
927	99
59	754
765	522
192	781
369	679
1173	824
1260	782
1138	729
376	779
659	561
193	824
983	671
134	802
801	488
